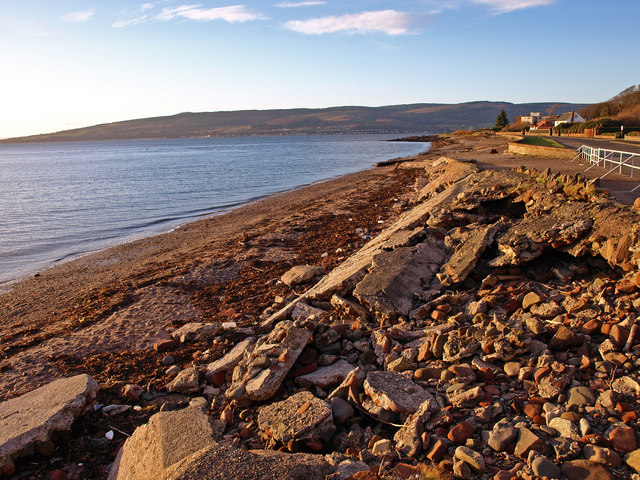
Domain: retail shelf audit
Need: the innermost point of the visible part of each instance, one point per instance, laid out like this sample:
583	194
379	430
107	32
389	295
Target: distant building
569	117
530	119
544	125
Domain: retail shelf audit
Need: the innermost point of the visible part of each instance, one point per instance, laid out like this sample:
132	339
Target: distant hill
419	117
624	107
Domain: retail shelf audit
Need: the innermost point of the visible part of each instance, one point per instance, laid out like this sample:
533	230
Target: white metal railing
626	163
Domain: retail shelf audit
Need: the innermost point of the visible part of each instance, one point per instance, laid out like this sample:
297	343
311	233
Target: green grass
541	142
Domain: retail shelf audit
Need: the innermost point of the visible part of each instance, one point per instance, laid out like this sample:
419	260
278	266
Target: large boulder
168	438
180	445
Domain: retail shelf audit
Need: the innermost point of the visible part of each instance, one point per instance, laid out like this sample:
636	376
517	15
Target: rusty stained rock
301	417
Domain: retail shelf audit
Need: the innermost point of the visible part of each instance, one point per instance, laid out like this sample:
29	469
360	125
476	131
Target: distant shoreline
345	120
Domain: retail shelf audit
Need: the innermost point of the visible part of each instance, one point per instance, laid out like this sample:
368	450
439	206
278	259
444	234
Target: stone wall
553	152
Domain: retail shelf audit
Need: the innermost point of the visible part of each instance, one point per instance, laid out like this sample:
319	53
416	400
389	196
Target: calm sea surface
62	200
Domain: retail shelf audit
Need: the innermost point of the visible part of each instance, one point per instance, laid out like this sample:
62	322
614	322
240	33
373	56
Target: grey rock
187	381
34	416
543	467
603	455
301	274
472	458
326	377
565	428
341	409
501	438
196	332
392	391
528	441
581	395
584	470
284	345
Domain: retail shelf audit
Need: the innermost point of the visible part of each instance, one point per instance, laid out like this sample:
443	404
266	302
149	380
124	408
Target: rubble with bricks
490	333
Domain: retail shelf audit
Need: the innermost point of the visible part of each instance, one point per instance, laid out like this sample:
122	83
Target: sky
69	64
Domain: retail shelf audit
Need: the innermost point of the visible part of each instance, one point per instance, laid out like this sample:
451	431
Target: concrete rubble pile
491	331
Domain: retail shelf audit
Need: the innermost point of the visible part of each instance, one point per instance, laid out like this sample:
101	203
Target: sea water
62	200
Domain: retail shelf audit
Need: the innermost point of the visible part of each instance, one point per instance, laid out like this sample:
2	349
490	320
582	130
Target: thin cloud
505	6
299	4
231	14
77	17
132	21
389	22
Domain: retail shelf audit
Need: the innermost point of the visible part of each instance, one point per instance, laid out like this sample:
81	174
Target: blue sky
68	64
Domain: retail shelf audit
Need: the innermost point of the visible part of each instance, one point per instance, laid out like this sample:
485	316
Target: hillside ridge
406	118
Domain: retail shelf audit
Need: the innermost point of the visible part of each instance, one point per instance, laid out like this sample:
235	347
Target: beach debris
301	274
196	332
491	330
263	369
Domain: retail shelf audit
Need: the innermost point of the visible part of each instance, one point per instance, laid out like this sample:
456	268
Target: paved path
620	186
620	145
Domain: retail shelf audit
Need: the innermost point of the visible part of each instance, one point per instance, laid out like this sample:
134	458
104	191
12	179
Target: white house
569	117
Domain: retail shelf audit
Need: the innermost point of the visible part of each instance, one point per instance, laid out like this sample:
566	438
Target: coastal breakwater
490	331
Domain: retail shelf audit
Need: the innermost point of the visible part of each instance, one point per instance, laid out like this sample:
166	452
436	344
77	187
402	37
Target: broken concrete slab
301	417
303	311
527	238
396	277
470	245
166	439
452	171
326	377
301	274
33	417
394	392
196	332
222	462
409	438
230	360
180	445
282	347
